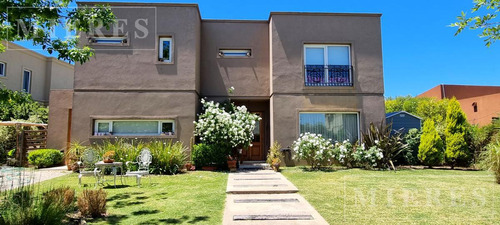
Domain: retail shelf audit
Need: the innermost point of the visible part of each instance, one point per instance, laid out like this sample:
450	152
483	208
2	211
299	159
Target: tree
36	20
430	150
455	133
486	20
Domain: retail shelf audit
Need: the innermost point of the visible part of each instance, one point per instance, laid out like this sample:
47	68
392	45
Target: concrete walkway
12	177
266	197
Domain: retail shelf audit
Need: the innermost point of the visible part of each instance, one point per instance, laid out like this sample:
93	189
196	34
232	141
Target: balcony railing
330	75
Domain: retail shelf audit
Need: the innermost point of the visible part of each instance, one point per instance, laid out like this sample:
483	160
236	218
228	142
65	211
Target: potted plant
276	164
274	156
72	155
108	157
231	163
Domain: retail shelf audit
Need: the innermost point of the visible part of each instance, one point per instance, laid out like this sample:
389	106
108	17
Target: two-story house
301	72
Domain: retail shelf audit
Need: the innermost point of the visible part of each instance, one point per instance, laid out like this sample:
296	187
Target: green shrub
21	206
209	155
430	150
391	145
457	151
314	149
274	155
168	157
45	157
409	156
490	159
92	203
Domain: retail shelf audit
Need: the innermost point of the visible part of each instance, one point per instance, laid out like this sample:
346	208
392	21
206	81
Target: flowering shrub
353	155
344	153
316	150
220	125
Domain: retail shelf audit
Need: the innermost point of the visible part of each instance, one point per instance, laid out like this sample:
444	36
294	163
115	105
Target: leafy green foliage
485	20
430	150
425	108
490	159
45	157
391	145
409	156
35	20
209	155
23	205
20	106
457	151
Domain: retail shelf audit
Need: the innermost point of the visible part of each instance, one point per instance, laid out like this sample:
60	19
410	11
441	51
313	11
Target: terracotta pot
108	160
209	168
276	167
231	163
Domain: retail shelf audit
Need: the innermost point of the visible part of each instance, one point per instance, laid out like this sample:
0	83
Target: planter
209	168
276	167
108	160
232	165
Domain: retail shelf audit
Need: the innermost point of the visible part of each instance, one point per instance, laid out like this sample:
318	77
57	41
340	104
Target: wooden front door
254	152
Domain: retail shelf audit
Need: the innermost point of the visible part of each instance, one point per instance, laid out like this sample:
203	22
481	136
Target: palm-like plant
391	145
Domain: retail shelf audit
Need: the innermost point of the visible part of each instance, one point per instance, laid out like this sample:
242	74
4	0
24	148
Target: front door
254	152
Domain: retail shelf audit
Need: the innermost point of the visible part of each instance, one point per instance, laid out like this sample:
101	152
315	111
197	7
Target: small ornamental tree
430	150
457	151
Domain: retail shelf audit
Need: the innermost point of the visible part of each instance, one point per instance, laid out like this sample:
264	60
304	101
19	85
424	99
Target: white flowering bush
316	150
353	155
230	125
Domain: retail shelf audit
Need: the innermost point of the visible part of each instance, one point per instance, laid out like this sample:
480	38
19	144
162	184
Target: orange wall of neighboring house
487	99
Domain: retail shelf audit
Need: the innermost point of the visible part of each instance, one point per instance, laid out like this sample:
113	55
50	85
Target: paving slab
275	209
259	182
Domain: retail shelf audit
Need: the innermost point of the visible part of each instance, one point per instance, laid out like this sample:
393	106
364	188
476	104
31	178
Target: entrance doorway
255	152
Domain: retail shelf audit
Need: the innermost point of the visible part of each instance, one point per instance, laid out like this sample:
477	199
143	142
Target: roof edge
137	4
325	14
233	21
399	112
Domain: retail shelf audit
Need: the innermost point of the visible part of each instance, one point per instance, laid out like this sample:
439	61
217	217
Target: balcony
329	75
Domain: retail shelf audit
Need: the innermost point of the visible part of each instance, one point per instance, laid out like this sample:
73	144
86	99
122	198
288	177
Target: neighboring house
301	72
402	121
480	103
22	69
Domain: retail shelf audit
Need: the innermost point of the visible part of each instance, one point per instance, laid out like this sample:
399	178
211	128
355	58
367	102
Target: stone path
266	197
10	177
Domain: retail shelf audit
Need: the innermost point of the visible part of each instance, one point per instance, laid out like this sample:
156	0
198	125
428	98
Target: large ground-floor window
333	125
134	127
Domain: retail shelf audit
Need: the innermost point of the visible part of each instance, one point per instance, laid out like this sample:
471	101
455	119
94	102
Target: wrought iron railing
330	75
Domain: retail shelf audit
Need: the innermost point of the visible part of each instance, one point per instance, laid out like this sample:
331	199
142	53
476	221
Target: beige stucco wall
47	72
248	75
61	102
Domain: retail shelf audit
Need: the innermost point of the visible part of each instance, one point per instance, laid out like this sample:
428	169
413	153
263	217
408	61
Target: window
2	69
27	81
235	52
134	127
165	50
327	65
108	40
335	126
474	105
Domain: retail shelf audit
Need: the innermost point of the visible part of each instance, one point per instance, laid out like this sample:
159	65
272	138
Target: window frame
3	72
96	132
160	49
325	60
94	41
358	119
30	81
249	53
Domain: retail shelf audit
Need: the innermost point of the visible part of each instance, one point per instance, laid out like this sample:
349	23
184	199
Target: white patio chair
86	166
143	161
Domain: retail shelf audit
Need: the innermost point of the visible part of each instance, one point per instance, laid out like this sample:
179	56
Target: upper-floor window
327	65
235	53
134	127
111	40
27	81
165	49
2	69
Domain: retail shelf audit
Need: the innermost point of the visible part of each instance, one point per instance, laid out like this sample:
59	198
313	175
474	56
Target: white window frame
160	49
235	53
29	83
110	40
110	130
349	112
4	69
325	57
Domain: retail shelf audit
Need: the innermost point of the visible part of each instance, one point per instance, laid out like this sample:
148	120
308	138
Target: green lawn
191	198
404	197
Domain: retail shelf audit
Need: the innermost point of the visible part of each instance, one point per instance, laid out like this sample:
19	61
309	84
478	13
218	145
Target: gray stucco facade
128	82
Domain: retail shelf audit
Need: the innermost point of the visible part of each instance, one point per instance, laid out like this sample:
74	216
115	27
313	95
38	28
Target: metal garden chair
86	166
143	161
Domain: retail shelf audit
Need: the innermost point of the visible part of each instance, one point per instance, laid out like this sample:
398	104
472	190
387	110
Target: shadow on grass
110	186
144	212
183	219
112	219
121	204
322	169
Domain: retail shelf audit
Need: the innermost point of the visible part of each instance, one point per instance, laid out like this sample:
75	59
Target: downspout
443	92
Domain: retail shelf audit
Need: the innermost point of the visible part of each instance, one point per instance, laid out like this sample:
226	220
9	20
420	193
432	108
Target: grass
191	198
403	197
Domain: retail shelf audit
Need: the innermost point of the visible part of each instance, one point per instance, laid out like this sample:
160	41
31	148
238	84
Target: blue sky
420	51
